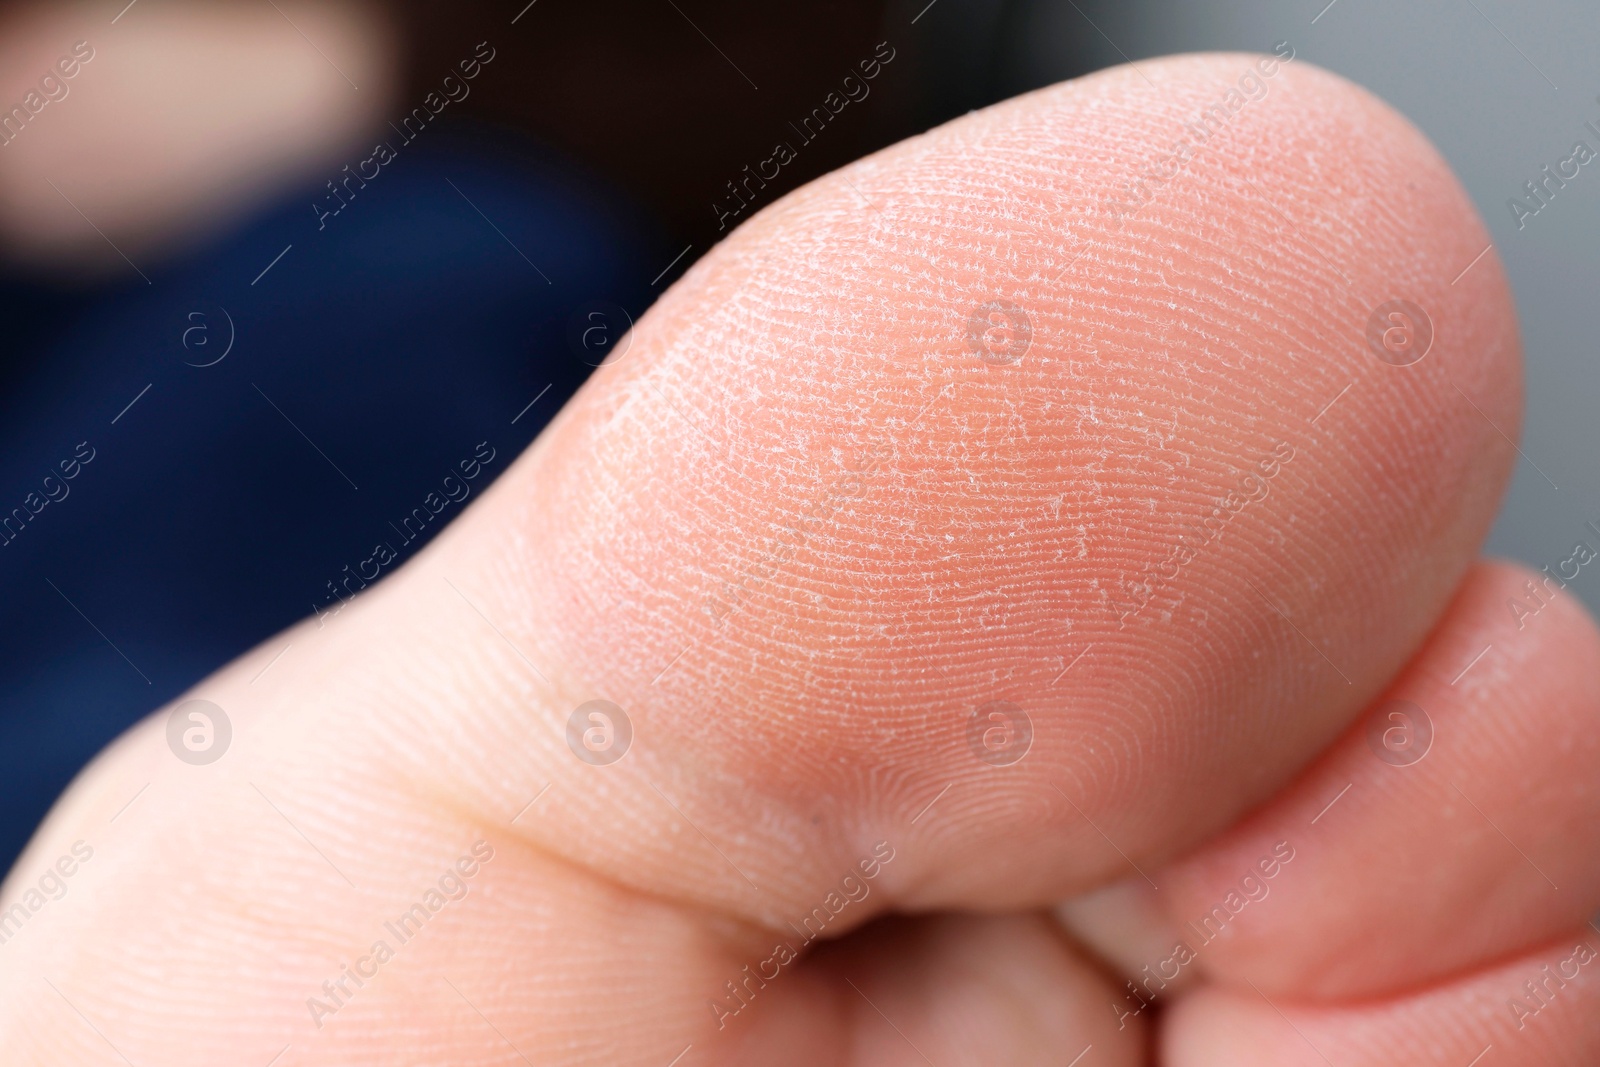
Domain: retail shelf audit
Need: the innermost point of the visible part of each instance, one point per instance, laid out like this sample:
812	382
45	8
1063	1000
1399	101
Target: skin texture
1415	915
801	531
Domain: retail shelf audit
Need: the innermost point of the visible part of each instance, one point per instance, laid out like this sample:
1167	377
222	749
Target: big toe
1034	496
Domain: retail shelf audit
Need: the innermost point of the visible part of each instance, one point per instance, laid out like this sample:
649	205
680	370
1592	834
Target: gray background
1492	112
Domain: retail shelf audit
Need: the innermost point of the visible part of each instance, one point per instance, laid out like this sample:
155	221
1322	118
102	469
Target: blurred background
258	342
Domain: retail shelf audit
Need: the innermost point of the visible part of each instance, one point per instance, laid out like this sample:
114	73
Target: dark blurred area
263	405
672	101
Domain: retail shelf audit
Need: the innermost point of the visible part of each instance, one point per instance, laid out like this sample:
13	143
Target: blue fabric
397	336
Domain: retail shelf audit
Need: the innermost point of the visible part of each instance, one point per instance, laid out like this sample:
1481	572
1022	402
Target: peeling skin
1180	347
979	561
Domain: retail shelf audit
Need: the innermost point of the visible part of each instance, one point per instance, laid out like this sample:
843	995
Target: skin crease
1449	1023
1003	512
1361	910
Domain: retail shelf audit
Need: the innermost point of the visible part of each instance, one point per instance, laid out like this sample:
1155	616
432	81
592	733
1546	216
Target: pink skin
965	526
183	116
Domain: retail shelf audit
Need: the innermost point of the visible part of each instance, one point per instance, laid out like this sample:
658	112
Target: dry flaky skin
800	532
